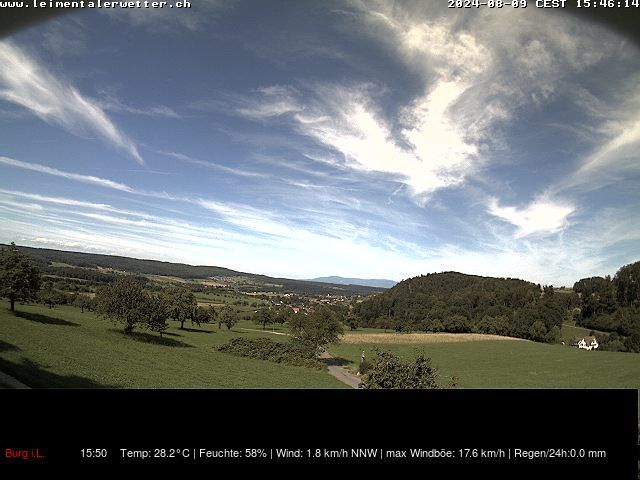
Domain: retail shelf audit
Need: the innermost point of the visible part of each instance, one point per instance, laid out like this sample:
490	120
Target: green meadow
62	347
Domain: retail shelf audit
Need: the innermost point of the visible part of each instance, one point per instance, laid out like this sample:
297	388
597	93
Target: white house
587	343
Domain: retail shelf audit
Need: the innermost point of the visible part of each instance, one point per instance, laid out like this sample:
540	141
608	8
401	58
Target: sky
368	139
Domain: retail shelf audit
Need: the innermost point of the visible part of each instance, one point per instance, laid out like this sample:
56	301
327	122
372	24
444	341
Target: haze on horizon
351	138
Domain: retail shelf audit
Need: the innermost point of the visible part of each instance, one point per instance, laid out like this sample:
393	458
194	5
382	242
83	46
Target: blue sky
299	139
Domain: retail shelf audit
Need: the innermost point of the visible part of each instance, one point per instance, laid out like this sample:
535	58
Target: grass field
569	332
62	347
508	364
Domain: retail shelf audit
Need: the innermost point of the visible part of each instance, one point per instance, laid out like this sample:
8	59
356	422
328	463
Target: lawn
62	347
512	364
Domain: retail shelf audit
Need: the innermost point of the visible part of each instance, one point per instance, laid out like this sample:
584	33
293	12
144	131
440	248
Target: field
502	363
62	347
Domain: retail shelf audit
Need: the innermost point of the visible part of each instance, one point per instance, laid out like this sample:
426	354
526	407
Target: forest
455	302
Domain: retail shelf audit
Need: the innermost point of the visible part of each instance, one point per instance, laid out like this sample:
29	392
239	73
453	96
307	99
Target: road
335	370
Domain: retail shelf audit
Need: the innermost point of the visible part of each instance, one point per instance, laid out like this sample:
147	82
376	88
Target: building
586	343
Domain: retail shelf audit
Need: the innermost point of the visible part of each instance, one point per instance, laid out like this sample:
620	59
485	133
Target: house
587	343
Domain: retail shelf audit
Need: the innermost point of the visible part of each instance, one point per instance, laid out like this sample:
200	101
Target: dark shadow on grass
8	347
152	338
39	318
171	334
336	361
196	330
37	376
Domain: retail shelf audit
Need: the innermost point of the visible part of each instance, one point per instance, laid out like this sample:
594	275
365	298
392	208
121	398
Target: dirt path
262	331
340	372
335	369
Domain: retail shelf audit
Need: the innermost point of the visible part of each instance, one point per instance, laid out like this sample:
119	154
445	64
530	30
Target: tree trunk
13	304
182	325
81	309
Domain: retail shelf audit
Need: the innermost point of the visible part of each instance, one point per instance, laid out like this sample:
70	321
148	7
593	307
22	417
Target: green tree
282	315
182	304
157	313
83	301
627	283
49	296
124	301
264	317
351	321
388	371
227	317
317	330
19	279
202	315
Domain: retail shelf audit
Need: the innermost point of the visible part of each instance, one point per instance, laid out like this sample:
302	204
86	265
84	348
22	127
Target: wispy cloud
56	200
112	104
171	20
275	100
26	82
542	216
215	166
35	167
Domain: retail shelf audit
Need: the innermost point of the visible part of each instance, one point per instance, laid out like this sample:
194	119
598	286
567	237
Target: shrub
388	371
266	349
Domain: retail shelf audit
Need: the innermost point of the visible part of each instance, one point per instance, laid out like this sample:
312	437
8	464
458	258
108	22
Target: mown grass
570	332
513	364
62	347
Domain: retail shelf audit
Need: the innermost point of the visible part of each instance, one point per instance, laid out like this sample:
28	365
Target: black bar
595	430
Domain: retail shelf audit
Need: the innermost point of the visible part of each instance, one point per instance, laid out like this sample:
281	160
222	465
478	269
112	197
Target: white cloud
431	152
275	100
542	216
56	200
103	182
112	104
212	165
25	82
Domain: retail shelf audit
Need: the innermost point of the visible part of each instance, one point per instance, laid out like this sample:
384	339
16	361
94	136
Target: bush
266	349
388	371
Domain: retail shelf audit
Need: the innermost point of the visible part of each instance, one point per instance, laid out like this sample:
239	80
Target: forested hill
455	302
64	264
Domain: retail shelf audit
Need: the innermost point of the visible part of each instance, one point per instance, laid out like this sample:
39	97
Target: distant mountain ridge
46	259
365	282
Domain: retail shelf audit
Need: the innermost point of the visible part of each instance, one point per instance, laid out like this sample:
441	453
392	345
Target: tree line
458	303
612	305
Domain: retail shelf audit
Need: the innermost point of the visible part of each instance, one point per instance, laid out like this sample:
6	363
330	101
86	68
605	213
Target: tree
202	315
627	283
230	321
351	321
263	317
317	330
83	301
282	315
19	279
124	301
388	371
49	296
227	317
182	304
157	313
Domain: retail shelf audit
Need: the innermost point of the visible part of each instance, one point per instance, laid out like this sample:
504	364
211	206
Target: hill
455	302
59	262
367	282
